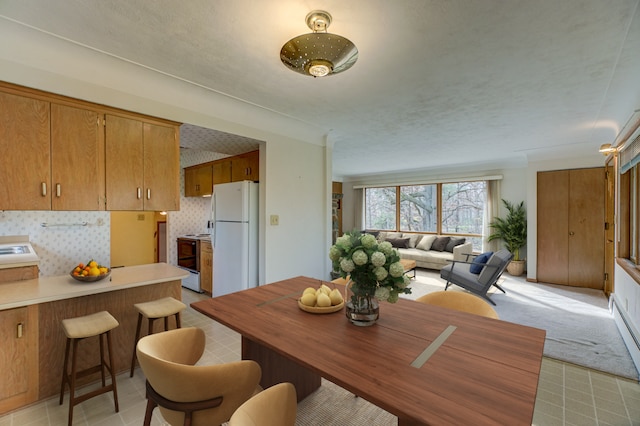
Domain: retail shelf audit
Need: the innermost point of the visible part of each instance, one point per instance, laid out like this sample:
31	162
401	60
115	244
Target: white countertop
48	289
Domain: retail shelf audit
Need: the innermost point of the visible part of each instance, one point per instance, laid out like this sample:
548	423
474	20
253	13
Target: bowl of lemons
90	272
321	300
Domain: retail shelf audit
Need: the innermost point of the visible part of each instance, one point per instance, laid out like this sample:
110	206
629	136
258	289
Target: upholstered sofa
429	251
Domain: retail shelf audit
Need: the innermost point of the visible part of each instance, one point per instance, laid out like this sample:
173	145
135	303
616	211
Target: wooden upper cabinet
161	168
245	166
25	174
124	163
221	170
142	165
198	180
77	159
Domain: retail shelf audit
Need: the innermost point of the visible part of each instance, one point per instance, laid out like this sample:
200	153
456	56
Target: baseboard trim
630	334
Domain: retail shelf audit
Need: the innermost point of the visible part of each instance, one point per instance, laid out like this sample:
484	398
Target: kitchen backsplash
63	244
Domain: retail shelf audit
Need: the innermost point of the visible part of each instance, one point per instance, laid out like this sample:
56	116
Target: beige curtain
358	209
492	209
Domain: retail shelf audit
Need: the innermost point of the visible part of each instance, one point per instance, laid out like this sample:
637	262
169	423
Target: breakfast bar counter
49	289
32	339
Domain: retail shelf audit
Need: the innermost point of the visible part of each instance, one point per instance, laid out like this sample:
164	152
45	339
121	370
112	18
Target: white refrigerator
234	213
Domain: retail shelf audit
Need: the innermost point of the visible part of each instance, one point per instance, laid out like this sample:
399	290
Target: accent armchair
458	273
459	301
274	406
189	394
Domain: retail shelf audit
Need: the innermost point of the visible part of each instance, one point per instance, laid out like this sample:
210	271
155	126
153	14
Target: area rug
580	328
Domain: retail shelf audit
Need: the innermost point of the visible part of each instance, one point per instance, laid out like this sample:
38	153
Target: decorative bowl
89	278
321	310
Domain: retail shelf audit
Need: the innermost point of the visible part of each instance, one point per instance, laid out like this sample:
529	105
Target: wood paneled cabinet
221	170
198	181
18	357
52	156
142	165
245	167
77	159
230	169
570	221
206	267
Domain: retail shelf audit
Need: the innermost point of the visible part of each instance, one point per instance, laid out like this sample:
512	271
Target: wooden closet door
571	227
586	228
553	227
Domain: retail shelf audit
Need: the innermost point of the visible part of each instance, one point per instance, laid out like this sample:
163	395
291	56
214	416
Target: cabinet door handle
148	193
139	193
44	189
19	330
571	233
58	190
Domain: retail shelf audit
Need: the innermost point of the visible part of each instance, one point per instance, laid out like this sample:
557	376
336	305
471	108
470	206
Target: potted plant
513	231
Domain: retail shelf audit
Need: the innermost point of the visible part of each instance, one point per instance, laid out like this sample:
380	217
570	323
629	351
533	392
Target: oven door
188	254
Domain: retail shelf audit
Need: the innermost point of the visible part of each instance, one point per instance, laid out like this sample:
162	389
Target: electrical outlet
141	216
275	220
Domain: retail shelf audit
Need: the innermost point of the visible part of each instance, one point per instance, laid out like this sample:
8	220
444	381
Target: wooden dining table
425	364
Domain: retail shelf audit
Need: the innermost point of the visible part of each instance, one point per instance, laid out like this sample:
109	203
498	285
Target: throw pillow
440	243
479	261
453	242
425	242
374	233
413	239
399	242
389	235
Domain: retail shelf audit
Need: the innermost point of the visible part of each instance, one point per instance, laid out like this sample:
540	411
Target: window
444	208
419	208
380	209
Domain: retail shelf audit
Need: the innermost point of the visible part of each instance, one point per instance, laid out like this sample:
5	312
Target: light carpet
580	328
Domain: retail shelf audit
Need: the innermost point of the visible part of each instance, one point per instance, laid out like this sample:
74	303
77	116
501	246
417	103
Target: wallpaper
64	243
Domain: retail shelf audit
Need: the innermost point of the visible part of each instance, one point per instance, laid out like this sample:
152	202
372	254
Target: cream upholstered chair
465	302
275	406
188	394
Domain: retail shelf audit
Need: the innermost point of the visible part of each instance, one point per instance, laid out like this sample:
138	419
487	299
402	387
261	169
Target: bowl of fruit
321	300
90	272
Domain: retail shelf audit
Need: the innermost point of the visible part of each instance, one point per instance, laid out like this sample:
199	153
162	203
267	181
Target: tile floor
567	394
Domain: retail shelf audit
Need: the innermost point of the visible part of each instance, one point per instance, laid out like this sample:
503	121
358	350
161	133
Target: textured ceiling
438	83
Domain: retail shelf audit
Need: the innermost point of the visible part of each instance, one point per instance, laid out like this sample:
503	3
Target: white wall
293	165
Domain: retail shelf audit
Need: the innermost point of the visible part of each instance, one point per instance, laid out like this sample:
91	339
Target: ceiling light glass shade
319	54
607	149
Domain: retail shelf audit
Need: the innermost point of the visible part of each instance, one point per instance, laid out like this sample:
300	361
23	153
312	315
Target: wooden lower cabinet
206	267
570	224
18	357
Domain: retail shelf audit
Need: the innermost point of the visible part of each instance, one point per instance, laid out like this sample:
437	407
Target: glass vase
361	309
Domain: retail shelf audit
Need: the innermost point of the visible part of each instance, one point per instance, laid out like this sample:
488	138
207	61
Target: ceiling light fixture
319	53
606	149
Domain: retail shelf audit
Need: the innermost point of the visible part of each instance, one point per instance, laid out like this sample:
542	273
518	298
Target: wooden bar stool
76	329
153	310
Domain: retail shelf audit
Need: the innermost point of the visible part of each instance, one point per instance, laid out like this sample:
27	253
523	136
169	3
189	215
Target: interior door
586	228
571	227
553	227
